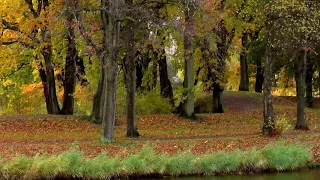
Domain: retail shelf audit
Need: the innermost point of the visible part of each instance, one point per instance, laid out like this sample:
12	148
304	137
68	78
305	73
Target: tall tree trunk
165	84
154	74
130	77
268	123
309	78
244	78
53	105
43	77
221	53
300	83
259	76
225	40
99	97
139	71
80	73
216	96
187	109
111	25
69	82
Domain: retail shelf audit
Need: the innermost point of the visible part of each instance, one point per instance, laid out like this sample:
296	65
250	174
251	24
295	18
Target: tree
188	83
69	81
130	75
268	123
111	29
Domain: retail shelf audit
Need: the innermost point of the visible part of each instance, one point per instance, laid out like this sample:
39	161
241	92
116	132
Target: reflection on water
300	175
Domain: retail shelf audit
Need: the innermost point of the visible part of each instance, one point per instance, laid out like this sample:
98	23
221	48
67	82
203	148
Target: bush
282	124
203	102
153	103
146	104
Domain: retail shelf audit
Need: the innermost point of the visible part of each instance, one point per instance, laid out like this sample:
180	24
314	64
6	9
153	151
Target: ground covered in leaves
238	128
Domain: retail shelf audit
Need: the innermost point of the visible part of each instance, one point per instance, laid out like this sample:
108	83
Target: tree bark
53	105
309	78
130	77
259	77
217	78
139	71
69	82
300	86
216	96
81	71
225	40
244	78
268	123
188	84
99	97
165	84
43	77
111	27
142	64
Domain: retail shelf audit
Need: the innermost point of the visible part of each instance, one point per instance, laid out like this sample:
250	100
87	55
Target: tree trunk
52	103
109	116
43	77
111	25
165	85
99	97
188	84
130	77
69	82
80	73
216	97
259	77
139	71
268	123
217	77
309	87
244	78
154	75
142	64
300	86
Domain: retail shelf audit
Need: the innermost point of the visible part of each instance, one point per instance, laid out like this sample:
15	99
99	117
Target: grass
32	137
74	164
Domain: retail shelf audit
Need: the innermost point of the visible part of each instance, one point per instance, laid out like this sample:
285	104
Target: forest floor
238	128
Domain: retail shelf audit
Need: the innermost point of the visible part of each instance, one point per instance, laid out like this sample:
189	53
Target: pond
298	175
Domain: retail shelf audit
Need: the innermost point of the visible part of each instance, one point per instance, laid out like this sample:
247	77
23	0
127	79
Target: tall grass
74	164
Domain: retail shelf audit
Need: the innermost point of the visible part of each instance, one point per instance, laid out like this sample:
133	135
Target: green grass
74	164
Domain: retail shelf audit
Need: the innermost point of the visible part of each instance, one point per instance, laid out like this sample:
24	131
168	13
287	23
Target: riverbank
275	157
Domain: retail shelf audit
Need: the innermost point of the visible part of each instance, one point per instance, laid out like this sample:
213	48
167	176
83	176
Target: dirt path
39	117
236	103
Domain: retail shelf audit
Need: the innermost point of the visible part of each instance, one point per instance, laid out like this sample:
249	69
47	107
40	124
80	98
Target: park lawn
166	133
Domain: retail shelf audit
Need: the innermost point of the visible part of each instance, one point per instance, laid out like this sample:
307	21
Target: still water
299	175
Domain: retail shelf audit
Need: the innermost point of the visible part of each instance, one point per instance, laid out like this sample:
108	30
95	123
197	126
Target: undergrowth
74	164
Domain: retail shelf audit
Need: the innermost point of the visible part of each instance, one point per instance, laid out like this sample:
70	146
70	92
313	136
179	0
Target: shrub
146	104
152	103
282	124
203	102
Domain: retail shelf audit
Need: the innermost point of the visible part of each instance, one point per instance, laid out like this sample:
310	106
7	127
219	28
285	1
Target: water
299	175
